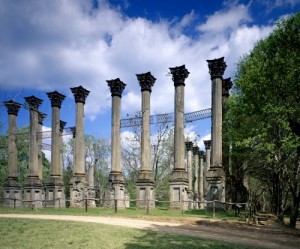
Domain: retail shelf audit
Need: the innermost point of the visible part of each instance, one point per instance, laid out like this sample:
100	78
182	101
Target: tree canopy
264	115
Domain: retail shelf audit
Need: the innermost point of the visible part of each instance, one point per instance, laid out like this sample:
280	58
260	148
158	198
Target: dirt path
268	236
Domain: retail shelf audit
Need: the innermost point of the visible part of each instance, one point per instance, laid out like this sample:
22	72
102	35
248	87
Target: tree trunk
294	212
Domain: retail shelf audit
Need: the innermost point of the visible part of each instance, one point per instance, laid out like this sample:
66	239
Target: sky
53	45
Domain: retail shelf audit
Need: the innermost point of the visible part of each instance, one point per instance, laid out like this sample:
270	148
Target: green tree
264	115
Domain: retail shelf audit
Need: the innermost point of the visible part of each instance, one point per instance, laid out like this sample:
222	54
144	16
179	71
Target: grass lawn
34	234
163	214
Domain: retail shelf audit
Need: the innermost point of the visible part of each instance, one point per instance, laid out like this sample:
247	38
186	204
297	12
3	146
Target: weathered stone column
91	194
33	185
207	145
12	189
216	176
226	86
145	181
116	178
54	186
78	182
62	125
196	176
189	150
201	179
41	118
178	179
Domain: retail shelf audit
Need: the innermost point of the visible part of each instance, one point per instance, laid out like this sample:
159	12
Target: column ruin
41	118
33	187
145	181
196	176
54	195
189	161
178	178
116	179
78	181
201	179
207	145
216	174
12	188
226	86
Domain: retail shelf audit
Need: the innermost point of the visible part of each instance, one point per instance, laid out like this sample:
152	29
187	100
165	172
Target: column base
55	193
78	191
190	196
12	193
116	177
91	195
116	191
33	192
215	186
145	193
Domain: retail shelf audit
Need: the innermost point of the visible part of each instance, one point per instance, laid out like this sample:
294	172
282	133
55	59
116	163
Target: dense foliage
264	116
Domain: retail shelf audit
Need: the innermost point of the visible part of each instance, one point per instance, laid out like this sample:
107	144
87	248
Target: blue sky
57	44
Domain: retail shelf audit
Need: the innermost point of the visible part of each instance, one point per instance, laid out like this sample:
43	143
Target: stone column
145	181
12	188
117	188
207	144
201	179
189	148
226	86
91	185
62	125
178	179
33	185
216	175
54	195
41	118
78	181
196	176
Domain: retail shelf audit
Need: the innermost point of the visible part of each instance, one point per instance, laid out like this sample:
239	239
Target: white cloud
54	45
223	20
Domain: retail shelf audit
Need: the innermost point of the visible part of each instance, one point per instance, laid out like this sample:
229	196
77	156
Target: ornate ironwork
166	118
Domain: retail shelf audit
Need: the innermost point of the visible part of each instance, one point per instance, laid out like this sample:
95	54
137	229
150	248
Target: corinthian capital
216	67
116	87
179	74
146	81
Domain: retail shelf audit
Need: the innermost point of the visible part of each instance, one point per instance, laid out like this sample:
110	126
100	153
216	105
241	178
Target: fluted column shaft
217	68
115	135
80	95
196	169
34	103
189	149
12	109
179	128
40	143
179	74
116	88
201	176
